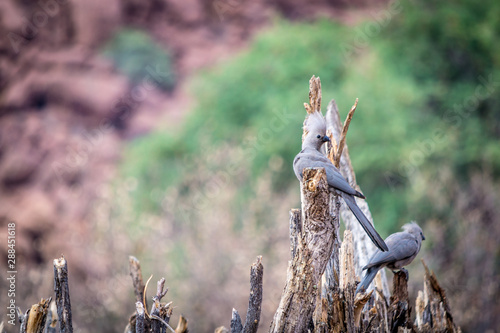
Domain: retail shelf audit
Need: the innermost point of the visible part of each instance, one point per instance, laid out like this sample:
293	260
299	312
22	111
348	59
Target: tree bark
295	230
160	312
61	288
23	319
399	311
137	281
139	318
236	325
38	316
255	300
314	246
182	325
433	310
51	323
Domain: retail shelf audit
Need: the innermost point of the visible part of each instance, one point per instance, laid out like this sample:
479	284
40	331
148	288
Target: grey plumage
403	248
310	156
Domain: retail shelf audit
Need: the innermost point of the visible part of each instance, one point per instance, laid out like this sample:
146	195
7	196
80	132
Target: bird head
315	127
414	229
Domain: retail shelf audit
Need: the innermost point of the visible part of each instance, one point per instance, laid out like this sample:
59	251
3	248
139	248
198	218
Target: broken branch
344	133
61	288
255	299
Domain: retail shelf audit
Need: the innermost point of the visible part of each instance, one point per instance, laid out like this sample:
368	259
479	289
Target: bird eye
318	136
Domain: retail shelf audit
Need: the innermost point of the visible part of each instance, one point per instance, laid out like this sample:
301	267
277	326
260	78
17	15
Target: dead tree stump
61	289
400	310
314	246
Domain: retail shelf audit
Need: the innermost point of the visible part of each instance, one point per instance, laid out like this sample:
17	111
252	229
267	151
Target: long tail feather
365	283
369	228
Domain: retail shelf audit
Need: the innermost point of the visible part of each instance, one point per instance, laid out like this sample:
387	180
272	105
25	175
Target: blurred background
166	130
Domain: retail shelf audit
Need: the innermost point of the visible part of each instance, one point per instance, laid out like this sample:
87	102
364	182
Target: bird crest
412	227
315	123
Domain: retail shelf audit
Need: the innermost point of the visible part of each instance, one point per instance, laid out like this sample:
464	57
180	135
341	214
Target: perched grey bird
403	248
310	156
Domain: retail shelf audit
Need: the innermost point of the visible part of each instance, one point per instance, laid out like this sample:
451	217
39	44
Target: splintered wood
61	289
314	96
343	135
314	246
314	100
347	274
432	309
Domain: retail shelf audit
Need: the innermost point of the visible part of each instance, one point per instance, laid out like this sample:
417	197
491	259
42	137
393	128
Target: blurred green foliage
133	52
419	115
450	49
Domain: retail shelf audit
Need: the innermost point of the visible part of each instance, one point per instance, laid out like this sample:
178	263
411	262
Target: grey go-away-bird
310	156
403	248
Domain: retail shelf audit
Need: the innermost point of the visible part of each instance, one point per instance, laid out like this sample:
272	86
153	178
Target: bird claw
405	272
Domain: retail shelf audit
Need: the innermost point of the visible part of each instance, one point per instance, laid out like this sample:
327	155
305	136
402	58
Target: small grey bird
403	248
310	156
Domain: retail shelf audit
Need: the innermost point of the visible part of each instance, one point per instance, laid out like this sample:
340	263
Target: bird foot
405	272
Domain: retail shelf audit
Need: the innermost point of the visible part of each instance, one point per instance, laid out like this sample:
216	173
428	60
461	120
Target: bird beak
326	138
423	237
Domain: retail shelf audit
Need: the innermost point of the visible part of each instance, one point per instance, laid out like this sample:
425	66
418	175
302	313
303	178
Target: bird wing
402	245
311	158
